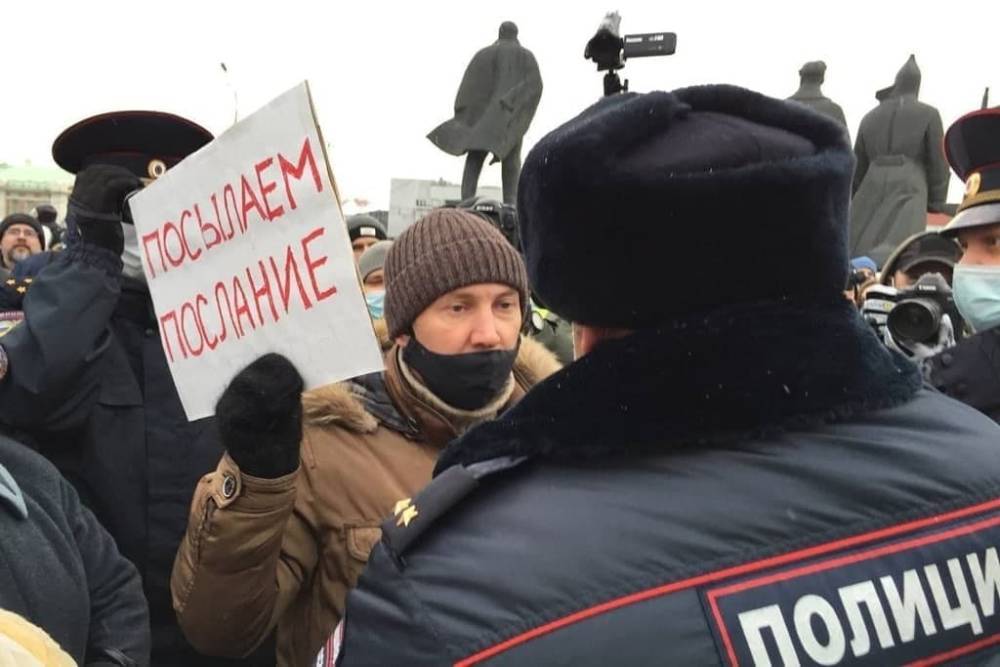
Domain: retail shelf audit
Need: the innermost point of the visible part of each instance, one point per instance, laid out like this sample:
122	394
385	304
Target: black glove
260	417
97	201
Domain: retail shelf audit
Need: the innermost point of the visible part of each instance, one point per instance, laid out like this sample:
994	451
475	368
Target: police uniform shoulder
413	517
12	292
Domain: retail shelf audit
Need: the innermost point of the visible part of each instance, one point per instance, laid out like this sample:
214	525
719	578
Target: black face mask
465	381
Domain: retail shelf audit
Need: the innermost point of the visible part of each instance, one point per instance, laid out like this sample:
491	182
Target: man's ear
402	340
586	338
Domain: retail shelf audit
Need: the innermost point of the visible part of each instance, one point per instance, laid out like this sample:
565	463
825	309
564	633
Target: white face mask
977	295
131	262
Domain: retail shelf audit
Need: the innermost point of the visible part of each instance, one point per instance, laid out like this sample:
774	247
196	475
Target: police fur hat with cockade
647	207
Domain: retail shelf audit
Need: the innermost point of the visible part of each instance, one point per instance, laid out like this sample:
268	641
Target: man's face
981	246
475	318
361	244
375	281
19	242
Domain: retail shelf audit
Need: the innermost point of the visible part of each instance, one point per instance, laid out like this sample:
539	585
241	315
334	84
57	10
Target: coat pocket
361	540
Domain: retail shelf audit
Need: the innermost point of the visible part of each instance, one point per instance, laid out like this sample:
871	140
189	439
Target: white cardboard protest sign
245	251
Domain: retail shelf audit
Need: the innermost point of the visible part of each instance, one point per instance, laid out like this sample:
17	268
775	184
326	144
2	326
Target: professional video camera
609	50
916	317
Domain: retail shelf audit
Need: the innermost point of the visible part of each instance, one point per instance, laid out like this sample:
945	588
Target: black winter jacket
89	386
765	485
60	569
970	372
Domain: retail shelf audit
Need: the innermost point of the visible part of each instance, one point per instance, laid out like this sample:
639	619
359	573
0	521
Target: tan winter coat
266	553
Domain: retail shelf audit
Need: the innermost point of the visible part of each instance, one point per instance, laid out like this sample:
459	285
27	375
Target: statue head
908	78
508	30
813	72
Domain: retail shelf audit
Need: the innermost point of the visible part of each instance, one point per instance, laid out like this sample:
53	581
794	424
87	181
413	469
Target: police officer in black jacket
88	382
736	473
970	371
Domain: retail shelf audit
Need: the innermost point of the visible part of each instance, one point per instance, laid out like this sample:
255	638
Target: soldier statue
901	172
811	78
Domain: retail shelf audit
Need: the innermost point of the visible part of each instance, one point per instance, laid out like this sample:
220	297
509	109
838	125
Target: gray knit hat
446	249
373	258
363	224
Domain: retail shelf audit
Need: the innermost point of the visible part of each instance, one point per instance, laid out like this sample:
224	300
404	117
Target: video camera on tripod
609	50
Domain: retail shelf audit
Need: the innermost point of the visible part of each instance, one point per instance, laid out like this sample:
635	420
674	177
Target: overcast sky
383	74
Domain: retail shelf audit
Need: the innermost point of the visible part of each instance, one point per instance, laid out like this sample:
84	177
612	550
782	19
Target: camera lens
915	320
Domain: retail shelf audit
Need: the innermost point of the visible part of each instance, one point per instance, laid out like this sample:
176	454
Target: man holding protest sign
282	529
88	382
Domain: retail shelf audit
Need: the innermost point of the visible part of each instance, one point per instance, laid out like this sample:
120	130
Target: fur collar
336	404
733	374
343	404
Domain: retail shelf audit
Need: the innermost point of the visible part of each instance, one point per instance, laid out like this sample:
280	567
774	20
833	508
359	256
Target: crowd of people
714	463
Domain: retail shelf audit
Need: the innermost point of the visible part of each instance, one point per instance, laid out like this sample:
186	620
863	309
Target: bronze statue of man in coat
493	109
810	92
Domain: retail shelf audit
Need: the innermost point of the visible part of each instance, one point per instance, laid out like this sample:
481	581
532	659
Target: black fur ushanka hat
647	207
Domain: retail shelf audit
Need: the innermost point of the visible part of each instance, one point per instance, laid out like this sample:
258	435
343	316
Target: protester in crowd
275	542
541	323
32	266
920	255
923	253
372	272
60	569
20	237
46	214
970	371
723	466
88	382
365	231
864	274
371	268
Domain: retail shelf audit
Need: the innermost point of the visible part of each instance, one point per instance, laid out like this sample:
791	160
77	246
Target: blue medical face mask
376	304
977	295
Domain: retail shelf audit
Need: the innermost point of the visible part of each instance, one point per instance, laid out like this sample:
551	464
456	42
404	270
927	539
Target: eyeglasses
21	230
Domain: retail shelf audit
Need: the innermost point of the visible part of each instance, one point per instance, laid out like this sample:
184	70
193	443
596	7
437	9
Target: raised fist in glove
260	417
97	202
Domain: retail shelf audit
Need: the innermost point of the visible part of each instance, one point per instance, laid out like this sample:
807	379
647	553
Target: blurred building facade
410	199
23	187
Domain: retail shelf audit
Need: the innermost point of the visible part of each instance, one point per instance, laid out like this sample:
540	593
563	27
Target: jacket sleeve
53	356
119	615
243	560
937	166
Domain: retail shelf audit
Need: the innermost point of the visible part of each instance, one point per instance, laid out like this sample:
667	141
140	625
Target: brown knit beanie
446	249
